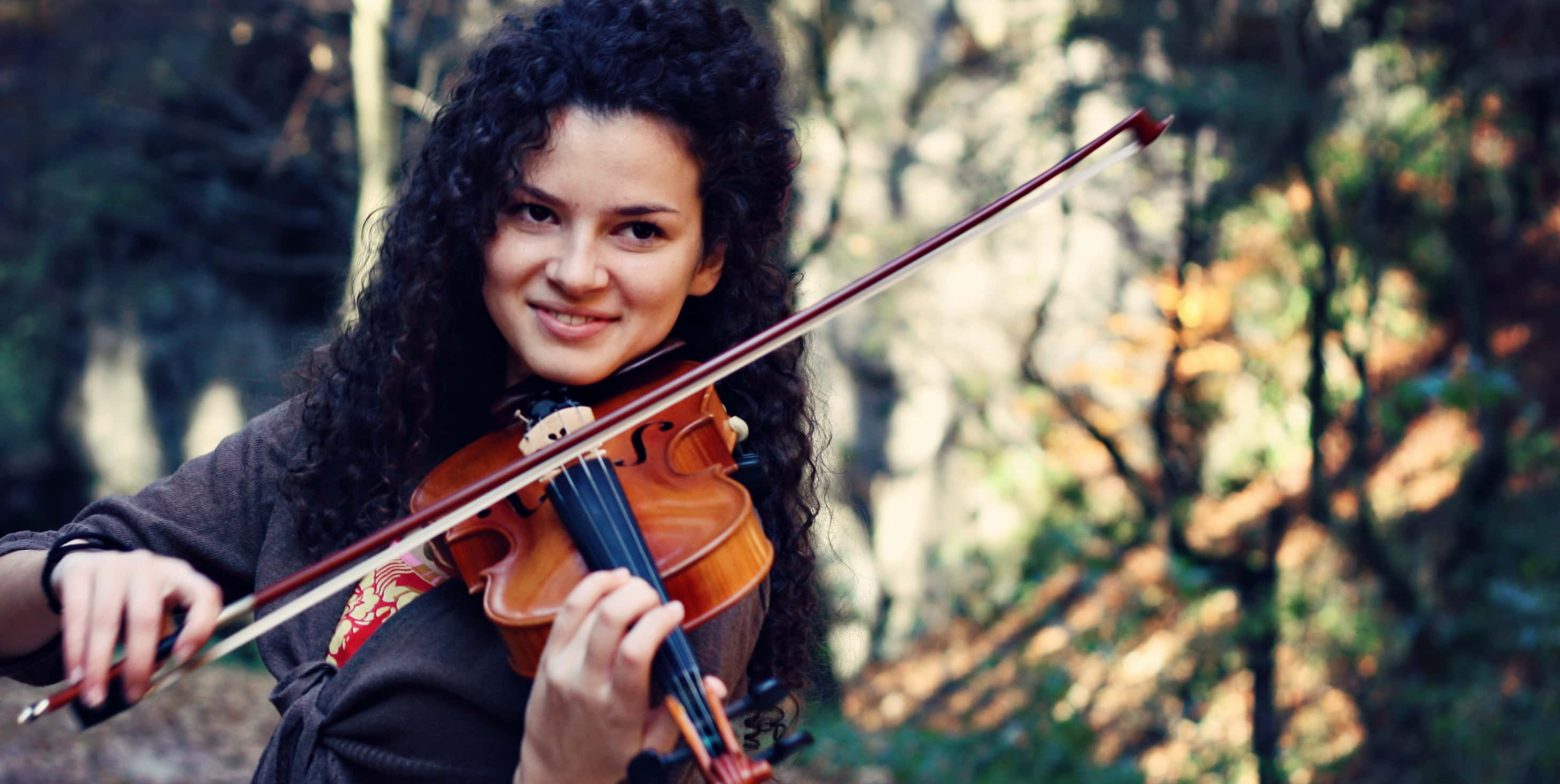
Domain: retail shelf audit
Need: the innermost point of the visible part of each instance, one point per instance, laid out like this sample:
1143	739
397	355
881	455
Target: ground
209	727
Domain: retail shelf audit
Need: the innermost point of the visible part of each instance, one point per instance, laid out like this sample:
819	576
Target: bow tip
1147	128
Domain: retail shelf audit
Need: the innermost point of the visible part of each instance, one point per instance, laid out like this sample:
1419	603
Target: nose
576	270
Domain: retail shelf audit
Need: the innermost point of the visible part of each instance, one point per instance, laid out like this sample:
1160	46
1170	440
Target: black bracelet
62	547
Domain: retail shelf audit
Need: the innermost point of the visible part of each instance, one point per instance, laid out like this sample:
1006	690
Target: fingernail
76	675
95	696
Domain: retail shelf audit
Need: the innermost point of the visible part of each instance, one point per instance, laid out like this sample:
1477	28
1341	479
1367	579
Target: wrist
24	612
26	566
58	552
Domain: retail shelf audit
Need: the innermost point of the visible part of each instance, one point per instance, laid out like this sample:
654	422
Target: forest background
1238	463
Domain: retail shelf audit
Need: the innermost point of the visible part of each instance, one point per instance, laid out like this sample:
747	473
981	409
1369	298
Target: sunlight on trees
1237	464
115	413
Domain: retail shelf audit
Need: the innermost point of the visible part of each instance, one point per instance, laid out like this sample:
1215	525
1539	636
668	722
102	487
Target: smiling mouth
571	319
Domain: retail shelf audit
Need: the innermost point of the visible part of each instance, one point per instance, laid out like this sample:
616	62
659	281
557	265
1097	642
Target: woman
608	174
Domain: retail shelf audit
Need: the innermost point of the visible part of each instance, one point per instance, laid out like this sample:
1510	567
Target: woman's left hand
589	711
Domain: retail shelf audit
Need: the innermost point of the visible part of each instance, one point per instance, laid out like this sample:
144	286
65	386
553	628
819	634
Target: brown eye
643	231
530	212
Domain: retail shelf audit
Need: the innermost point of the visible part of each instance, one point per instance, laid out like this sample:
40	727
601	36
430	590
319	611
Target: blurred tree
378	136
186	180
1269	94
1253	87
152	187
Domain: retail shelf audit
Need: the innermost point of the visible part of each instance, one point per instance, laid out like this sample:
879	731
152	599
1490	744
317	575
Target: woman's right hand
107	596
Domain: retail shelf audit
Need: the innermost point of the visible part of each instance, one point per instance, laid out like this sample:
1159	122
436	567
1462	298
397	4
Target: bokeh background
1238	463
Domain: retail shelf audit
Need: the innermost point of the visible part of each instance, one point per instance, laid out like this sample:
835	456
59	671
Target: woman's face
598	248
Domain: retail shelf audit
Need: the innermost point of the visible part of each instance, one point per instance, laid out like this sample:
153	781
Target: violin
469	495
660	501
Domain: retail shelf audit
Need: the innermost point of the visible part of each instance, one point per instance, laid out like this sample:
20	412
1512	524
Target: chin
573	374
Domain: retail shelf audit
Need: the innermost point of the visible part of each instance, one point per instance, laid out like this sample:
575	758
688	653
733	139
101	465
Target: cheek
498	290
662	298
503	269
665	286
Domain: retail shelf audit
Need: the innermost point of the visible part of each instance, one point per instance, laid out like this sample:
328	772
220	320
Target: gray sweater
429	697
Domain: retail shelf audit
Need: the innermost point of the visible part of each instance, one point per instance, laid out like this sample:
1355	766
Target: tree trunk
378	138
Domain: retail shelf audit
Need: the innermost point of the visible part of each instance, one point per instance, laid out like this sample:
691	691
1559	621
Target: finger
75	591
204	602
143	626
636	652
582	599
108	607
611	619
716	688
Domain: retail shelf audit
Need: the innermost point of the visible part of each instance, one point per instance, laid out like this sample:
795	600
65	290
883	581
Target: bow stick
417	529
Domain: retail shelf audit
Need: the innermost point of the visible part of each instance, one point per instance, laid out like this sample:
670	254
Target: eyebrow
630	210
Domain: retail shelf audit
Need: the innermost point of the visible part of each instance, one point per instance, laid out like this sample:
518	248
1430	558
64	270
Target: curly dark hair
412	379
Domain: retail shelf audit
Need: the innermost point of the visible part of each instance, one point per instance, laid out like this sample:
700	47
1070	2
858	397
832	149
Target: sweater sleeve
43	665
211	513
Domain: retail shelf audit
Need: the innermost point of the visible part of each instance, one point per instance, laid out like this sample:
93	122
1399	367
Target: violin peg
648	767
786	746
750	471
767	694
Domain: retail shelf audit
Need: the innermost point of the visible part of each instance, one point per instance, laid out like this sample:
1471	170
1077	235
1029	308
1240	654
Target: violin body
675	471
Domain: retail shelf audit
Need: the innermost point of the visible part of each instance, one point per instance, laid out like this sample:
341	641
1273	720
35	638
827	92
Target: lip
547	316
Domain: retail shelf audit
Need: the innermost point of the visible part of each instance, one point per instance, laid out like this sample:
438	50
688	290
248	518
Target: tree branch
1173	483
1319	326
1032	373
1397	590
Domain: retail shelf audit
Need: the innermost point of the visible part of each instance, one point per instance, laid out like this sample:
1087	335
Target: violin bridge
554	426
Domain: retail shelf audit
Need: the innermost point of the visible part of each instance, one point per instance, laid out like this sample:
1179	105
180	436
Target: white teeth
571	319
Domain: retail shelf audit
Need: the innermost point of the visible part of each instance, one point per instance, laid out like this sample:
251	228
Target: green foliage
154	186
1190	579
27	348
1487	684
1471	388
1535	452
1029	746
1425	127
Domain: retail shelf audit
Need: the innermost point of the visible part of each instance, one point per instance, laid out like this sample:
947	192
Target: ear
708	273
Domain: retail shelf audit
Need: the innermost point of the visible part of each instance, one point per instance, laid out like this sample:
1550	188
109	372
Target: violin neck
593	507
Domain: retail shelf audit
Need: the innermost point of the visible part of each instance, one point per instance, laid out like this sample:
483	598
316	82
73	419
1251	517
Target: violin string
682	682
677	642
684	679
